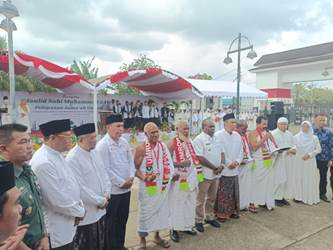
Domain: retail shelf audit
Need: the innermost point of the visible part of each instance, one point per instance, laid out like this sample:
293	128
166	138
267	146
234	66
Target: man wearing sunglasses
59	188
15	146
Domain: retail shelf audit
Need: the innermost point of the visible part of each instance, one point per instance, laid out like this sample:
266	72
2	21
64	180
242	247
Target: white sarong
154	210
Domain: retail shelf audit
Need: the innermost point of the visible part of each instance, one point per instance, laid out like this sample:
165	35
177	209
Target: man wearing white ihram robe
245	170
183	200
262	143
284	166
154	168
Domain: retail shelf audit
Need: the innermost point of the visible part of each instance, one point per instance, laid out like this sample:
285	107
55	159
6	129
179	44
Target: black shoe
174	236
285	202
324	198
297	201
190	232
125	248
234	216
213	223
279	203
199	227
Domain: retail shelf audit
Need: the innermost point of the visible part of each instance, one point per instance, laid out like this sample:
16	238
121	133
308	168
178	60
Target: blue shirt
325	137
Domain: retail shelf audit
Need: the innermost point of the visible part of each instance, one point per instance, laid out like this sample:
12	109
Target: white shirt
118	161
233	150
283	139
6	117
154	112
145	111
209	148
60	194
195	117
94	182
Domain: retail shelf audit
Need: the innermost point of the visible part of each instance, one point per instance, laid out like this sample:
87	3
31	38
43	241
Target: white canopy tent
225	88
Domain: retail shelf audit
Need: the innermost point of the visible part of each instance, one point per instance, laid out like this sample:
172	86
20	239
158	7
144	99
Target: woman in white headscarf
307	176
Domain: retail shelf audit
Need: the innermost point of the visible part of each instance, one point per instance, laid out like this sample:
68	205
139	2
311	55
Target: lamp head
227	60
325	73
252	54
8	9
8	25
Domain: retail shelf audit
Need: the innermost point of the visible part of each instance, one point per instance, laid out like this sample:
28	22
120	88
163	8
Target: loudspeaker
277	108
272	120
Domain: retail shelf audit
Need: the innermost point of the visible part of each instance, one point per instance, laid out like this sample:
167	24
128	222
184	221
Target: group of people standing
77	201
82	200
137	114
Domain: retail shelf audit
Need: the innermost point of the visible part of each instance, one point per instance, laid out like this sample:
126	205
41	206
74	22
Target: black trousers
116	220
322	167
127	123
136	122
90	237
145	121
69	246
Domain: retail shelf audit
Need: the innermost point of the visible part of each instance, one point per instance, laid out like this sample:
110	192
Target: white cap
282	120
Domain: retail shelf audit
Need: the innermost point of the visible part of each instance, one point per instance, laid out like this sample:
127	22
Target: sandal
253	210
222	220
162	243
142	248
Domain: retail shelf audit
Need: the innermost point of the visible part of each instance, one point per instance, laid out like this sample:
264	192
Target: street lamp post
10	11
252	54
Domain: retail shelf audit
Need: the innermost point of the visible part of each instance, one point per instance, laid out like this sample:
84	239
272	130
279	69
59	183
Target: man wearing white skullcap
284	167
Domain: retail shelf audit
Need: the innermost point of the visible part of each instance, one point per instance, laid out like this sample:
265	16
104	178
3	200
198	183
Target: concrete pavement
296	227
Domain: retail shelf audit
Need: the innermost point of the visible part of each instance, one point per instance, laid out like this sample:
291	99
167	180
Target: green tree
23	83
85	69
203	76
305	95
142	62
3	43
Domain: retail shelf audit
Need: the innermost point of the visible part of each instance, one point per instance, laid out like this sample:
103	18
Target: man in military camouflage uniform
15	146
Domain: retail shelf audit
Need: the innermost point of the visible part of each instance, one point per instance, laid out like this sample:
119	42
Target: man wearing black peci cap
95	188
118	160
60	190
10	234
227	202
15	146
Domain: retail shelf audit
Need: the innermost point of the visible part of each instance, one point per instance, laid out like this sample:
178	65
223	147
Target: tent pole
191	122
95	109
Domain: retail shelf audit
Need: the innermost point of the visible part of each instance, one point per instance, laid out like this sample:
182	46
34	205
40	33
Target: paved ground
299	227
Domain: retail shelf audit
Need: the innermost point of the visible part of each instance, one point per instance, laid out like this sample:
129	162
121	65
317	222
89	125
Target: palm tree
3	43
85	69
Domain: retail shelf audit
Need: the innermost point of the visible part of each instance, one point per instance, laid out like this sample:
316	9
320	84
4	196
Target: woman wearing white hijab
307	177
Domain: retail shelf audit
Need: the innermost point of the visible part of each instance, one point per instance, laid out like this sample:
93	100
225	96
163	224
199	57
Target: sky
183	36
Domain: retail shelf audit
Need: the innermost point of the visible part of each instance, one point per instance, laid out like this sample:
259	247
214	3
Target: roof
226	89
152	82
308	54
